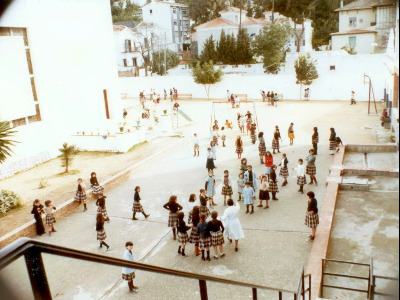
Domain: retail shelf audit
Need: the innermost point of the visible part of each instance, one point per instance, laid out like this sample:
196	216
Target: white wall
332	85
364	42
364	19
119	42
73	58
204	34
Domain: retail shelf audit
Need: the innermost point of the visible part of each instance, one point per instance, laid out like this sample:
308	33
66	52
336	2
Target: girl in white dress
233	228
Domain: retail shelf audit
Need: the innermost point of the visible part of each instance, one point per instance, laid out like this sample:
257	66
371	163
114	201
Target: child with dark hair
239	147
210	160
203	203
205	238
50	220
249	197
37	211
194	220
233	228
174	207
80	195
137	206
301	175
101	233
253	129
311	169
183	237
332	141
284	172
312	218
291	133
216	229
339	143
192	202
264	194
210	187
97	189
315	140
128	274
273	183
241	184
101	207
227	186
262	149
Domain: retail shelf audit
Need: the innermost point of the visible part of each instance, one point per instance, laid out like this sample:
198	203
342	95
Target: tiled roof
365	4
118	28
169	3
218	22
252	21
355	31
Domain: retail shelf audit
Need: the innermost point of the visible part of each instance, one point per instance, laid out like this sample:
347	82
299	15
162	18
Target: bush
8	201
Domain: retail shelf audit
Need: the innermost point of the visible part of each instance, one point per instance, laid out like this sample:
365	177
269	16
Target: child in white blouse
301	175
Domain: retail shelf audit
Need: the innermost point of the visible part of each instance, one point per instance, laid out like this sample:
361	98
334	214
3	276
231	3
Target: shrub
43	184
8	201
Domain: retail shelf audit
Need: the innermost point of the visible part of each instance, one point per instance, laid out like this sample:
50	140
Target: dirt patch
61	186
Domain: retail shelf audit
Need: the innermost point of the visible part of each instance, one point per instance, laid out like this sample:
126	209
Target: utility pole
165	52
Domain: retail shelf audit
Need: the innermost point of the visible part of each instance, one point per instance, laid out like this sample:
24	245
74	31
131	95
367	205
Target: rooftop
355	31
366	4
171	3
118	28
233	9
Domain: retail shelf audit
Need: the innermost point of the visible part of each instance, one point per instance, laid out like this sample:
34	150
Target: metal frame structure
370	93
32	251
371	279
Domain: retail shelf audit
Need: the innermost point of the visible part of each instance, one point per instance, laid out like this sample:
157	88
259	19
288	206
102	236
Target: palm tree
67	153
5	142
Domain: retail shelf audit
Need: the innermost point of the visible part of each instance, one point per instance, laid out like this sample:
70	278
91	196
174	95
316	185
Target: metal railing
32	251
371	279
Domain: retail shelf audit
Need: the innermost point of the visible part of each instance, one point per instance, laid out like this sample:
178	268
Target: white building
230	21
58	73
128	51
172	22
365	25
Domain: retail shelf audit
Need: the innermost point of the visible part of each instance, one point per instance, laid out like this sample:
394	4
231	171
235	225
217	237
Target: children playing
210	187
264	194
301	175
50	220
241	185
249	197
80	195
216	229
227	186
203	203
210	160
174	207
205	238
284	172
223	136
239	147
194	220
128	274
183	237
137	206
101	233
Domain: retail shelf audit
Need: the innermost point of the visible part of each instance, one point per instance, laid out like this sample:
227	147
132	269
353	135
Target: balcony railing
32	251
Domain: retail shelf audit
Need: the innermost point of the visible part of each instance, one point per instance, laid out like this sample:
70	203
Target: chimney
341	4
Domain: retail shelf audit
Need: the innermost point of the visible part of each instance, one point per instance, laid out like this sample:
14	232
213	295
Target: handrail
345	262
12	252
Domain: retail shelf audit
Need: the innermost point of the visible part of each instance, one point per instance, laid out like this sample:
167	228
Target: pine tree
222	48
231	49
209	53
243	48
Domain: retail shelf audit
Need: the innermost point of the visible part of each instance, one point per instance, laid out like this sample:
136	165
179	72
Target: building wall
73	55
122	53
204	34
365	18
364	42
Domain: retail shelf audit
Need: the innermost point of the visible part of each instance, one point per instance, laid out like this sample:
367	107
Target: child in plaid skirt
227	186
315	140
97	189
205	238
223	137
273	183
262	149
50	220
137	206
311	169
312	218
183	237
203	203
174	207
81	194
301	175
216	229
332	141
253	129
194	220
239	147
284	172
101	207
128	274
101	233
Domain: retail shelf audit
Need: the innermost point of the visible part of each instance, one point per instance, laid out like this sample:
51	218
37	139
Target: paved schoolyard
275	246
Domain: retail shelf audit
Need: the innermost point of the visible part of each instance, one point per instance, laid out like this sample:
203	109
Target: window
184	12
237	19
125	62
332	68
128	46
134	62
174	10
361	21
175	23
352	41
151	11
353	22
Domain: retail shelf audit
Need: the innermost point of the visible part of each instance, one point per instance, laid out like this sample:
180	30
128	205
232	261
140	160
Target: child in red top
269	161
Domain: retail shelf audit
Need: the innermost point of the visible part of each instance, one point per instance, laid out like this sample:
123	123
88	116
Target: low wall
371	171
372	148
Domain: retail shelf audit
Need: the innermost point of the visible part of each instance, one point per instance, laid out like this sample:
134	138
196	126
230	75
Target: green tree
243	51
206	75
160	58
223	48
306	71
5	142
67	154
202	11
271	46
209	52
124	10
